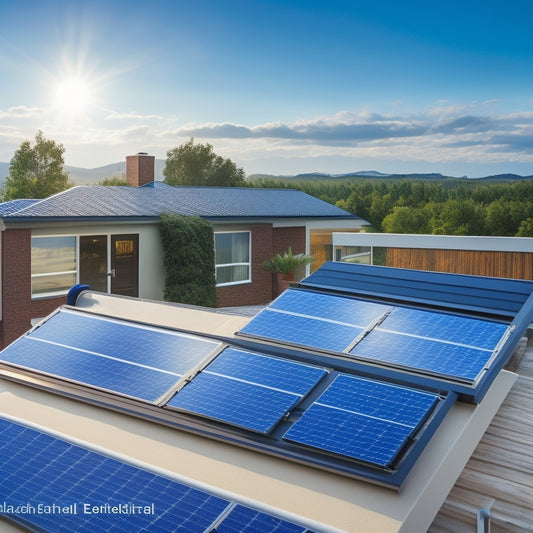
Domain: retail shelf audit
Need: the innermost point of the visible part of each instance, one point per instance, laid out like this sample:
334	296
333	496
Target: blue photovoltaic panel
379	400
48	471
241	404
283	374
432	356
484	334
307	318
90	369
248	390
329	307
302	331
159	348
362	419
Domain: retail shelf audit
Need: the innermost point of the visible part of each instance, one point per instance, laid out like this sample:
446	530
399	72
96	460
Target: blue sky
280	87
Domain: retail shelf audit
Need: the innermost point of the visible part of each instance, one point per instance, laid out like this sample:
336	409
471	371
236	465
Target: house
108	238
216	438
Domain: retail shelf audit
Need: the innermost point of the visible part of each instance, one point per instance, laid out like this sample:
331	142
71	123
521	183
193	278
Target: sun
73	95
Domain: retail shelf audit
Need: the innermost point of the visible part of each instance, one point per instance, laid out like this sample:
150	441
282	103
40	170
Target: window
354	254
232	257
53	265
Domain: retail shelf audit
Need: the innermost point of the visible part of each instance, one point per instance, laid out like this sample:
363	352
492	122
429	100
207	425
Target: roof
126	399
88	202
319	500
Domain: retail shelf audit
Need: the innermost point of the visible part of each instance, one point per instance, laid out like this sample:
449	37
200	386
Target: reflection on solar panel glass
329	307
362	419
164	349
307	318
39	469
248	390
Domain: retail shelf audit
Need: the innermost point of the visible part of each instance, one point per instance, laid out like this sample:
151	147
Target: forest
451	206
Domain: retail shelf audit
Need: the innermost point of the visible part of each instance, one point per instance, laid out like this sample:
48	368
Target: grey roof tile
151	201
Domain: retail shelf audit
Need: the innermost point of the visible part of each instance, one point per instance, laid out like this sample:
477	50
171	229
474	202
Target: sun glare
73	95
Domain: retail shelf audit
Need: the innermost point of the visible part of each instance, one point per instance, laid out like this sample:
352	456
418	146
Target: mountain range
91	176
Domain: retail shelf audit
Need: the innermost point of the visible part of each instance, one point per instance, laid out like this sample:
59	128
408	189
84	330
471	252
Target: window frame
247	264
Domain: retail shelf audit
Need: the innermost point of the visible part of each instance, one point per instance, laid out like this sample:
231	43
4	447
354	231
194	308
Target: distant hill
380	175
91	176
351	175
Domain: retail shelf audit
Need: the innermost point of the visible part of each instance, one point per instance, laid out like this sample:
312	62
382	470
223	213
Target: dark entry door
93	262
125	265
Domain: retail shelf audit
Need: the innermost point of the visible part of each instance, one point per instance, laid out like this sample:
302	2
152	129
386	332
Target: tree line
449	206
439	207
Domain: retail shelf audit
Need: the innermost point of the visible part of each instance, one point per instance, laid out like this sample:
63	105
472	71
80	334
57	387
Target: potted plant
283	267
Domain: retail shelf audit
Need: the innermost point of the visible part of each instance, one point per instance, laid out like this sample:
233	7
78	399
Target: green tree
407	220
114	181
526	228
36	171
197	164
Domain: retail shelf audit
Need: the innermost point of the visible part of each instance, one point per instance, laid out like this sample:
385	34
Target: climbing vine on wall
189	259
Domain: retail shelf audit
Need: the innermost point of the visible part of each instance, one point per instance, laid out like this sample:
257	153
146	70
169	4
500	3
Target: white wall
151	269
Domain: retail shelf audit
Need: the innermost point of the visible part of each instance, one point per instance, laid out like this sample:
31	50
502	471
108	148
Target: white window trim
248	264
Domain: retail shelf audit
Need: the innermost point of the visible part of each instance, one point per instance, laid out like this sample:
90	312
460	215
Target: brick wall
18	309
259	291
266	241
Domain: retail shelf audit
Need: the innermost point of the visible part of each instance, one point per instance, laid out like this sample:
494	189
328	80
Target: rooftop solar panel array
50	484
246	394
437	343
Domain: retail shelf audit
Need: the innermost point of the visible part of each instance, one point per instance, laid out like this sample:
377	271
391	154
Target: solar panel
49	484
306	318
248	390
125	358
163	349
434	357
329	307
301	330
362	419
82	367
482	334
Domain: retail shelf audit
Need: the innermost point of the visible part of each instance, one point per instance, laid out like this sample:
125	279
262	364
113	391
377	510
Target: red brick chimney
140	169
